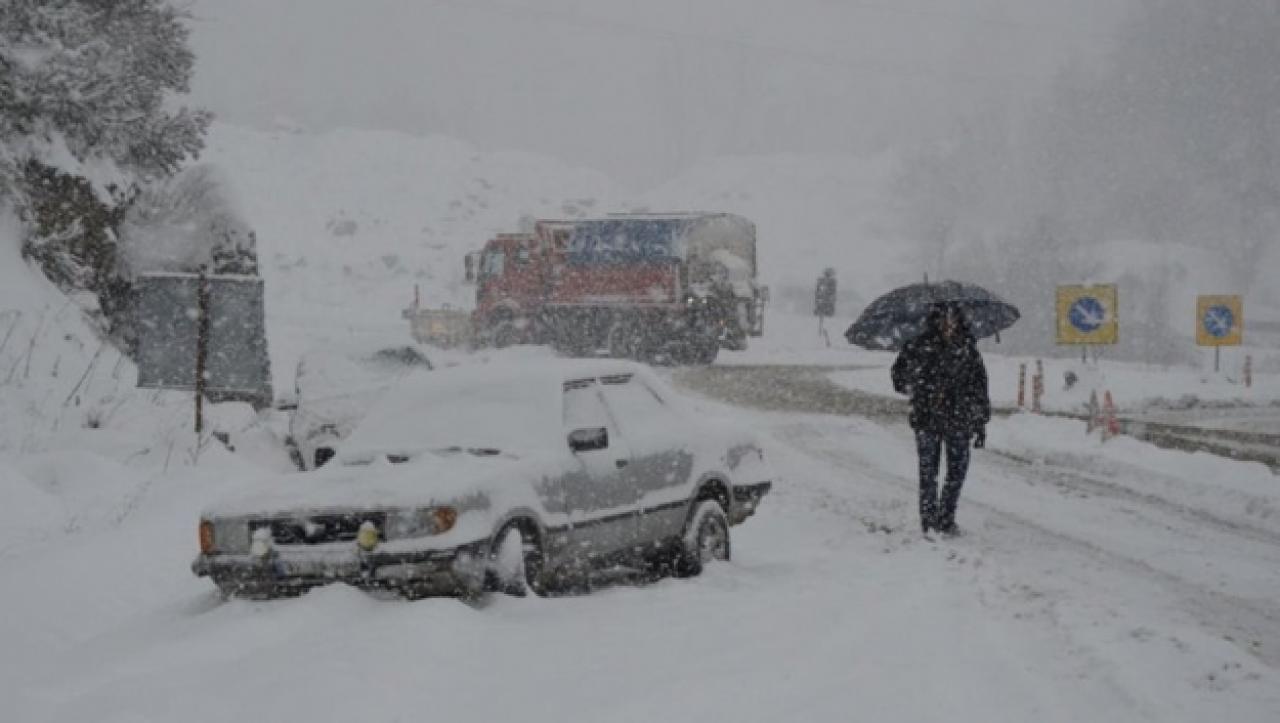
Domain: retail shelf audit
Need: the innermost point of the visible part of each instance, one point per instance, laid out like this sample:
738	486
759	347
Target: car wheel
706	539
516	563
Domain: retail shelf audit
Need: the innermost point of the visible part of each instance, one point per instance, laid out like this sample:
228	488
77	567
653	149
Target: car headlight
420	522
206	537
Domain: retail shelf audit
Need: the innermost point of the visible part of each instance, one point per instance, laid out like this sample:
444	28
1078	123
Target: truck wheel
506	335
706	351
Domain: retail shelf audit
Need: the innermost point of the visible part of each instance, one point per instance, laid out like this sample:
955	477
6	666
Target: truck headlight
420	522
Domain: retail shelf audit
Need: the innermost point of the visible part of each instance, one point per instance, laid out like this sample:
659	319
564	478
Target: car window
584	408
640	412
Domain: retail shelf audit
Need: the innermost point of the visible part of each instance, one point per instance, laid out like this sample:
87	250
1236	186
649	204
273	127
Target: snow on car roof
505	406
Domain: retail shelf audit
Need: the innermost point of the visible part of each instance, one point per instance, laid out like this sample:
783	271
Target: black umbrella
897	317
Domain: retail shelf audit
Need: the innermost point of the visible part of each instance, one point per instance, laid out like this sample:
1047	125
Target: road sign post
214	323
1087	315
202	347
1219	323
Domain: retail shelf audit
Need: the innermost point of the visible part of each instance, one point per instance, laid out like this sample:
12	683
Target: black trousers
937	512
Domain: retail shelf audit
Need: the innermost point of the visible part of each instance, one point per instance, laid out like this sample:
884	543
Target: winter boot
928	514
950	499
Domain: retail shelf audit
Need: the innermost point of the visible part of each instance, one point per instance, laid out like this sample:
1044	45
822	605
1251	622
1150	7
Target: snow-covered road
1085	589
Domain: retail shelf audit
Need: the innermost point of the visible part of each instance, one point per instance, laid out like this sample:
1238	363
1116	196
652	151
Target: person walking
824	300
942	371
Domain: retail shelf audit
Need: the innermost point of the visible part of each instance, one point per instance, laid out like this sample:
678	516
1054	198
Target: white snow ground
1097	582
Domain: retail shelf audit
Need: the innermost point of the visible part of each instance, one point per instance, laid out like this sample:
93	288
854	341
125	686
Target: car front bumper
284	571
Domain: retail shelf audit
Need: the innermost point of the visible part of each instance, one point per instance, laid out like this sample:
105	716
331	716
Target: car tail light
206	537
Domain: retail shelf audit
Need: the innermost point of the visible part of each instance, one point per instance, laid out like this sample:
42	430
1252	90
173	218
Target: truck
657	287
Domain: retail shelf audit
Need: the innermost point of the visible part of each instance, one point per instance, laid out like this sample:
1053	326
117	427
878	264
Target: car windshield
454	413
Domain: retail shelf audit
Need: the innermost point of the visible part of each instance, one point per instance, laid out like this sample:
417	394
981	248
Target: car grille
320	529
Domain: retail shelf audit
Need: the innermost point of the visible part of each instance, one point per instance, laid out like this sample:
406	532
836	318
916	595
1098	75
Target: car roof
518	403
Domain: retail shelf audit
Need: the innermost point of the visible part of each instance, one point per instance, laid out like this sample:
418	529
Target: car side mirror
588	440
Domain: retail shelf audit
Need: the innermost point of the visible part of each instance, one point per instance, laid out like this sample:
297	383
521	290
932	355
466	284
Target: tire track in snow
1253	626
1238	619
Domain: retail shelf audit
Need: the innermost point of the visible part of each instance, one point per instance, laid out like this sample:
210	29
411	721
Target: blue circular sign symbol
1218	321
1087	314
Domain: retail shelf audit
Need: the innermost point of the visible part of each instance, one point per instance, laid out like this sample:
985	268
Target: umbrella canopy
899	316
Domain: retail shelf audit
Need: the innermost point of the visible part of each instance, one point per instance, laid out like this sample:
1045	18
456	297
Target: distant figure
824	300
943	373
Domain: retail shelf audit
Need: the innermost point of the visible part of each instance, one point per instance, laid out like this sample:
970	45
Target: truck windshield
492	263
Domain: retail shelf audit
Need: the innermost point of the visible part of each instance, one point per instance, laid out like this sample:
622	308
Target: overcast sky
640	90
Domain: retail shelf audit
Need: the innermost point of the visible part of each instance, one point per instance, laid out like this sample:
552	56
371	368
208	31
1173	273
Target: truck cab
511	277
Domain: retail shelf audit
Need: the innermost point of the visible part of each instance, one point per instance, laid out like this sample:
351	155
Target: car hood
428	479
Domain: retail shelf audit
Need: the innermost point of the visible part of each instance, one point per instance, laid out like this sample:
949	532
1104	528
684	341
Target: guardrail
1245	446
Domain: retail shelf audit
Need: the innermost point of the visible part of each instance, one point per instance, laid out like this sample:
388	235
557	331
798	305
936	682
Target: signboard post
1219	323
1087	315
202	346
212	323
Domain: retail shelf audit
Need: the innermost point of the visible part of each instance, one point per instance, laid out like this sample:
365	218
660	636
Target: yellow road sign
1087	314
1219	320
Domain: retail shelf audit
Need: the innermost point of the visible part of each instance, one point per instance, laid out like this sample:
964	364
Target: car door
660	440
598	497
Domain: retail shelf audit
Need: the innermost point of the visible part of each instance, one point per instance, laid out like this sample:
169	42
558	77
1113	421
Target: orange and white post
1111	424
1037	387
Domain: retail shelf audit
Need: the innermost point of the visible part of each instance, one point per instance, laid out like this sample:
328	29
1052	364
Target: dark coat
824	297
947	382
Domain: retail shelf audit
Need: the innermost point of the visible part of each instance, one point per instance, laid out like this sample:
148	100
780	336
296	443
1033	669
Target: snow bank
28	512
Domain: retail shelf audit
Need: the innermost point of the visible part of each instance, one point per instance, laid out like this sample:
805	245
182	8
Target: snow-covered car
497	477
334	387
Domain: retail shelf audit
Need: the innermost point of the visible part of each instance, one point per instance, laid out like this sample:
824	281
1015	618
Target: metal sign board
1219	320
168	314
1088	314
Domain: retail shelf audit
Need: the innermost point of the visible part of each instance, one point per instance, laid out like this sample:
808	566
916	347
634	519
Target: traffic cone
1112	427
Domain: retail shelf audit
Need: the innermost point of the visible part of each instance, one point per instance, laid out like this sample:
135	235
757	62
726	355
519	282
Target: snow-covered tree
84	86
187	223
87	120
